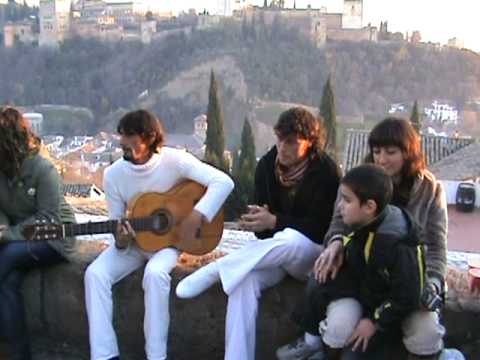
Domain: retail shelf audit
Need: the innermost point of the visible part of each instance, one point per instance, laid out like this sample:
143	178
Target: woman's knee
342	317
423	333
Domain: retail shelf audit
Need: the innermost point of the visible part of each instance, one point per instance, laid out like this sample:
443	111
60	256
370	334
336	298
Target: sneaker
451	354
297	350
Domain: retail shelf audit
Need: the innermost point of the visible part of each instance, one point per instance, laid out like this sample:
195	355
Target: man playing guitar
145	167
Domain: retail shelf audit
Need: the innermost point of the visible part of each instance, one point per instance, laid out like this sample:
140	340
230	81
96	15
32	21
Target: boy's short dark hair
145	124
301	122
370	182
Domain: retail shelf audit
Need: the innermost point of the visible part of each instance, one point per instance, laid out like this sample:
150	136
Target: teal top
35	194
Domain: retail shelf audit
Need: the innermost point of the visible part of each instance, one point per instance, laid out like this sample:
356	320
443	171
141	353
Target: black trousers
16	258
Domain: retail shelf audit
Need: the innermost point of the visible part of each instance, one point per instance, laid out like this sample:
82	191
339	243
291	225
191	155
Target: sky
437	20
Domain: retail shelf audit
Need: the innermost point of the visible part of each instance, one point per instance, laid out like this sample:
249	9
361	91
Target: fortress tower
352	14
54	21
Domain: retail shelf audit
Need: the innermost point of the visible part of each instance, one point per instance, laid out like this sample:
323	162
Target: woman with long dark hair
30	191
395	146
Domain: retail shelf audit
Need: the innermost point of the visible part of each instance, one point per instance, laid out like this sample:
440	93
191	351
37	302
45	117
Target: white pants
112	266
422	331
257	266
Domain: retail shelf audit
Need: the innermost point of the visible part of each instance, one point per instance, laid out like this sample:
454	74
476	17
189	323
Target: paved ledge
55	303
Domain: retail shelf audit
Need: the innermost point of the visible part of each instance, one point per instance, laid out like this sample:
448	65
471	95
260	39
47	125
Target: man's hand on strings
124	234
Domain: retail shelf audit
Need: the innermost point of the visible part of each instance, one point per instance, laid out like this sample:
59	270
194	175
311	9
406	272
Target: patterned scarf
293	175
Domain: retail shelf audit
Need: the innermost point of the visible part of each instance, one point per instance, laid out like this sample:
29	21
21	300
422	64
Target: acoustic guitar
155	218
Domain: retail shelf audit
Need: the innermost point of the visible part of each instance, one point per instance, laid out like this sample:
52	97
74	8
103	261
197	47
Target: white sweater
123	180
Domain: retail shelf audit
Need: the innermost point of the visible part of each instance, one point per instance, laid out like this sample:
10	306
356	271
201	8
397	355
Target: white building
54	22
36	121
21	31
397	108
352	14
147	29
442	112
456	43
125	13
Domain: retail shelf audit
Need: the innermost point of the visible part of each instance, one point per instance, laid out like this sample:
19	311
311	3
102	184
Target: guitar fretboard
157	222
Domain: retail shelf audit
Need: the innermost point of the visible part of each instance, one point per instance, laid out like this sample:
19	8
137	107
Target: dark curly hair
301	122
146	125
17	141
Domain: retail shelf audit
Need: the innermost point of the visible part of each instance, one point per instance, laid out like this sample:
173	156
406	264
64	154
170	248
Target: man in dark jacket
295	189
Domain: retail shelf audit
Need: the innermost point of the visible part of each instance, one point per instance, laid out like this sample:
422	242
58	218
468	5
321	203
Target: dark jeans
16	258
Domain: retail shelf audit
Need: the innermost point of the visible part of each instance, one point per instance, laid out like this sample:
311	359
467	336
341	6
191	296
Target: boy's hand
362	334
258	218
329	262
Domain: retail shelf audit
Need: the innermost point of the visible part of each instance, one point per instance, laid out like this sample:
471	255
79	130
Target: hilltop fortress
317	24
114	20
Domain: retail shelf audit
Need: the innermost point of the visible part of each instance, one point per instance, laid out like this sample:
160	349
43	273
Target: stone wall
55	301
56	314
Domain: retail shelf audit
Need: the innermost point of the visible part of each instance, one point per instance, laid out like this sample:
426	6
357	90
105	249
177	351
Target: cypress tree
327	110
247	163
247	160
415	118
215	140
243	173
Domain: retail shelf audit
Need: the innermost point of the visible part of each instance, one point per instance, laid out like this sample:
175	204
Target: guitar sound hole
162	222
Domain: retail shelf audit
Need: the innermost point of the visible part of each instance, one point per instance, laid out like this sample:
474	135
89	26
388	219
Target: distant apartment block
443	112
440	111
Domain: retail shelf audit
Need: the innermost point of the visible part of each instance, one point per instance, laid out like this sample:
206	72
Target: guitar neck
109	226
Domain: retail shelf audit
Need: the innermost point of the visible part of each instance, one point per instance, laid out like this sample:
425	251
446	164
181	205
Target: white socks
199	281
